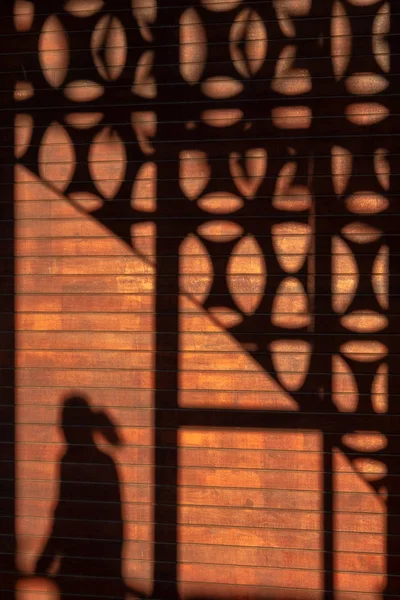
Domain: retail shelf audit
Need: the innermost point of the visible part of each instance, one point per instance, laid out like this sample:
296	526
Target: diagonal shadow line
166	381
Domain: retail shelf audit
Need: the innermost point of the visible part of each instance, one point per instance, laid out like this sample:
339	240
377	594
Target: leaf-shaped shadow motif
83	9
291	243
192	47
196	271
54	51
249	171
344	386
291	360
145	12
290	306
56	158
107	162
220	87
246	272
194	172
248	42
144	83
109	47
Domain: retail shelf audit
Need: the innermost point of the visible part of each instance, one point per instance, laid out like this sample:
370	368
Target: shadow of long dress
84	549
89	529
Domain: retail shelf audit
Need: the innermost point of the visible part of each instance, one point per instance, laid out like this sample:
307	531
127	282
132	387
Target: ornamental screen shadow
200	243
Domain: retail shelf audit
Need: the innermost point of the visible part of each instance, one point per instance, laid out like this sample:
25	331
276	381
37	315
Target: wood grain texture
185	264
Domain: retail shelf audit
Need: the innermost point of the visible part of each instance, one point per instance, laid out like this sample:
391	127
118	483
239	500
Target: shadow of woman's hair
79	421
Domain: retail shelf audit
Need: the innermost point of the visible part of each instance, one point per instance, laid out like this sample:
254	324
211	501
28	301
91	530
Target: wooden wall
204	214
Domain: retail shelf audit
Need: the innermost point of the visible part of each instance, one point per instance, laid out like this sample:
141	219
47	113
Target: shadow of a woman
84	550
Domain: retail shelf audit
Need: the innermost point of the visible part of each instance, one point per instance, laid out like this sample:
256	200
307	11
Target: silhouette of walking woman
84	550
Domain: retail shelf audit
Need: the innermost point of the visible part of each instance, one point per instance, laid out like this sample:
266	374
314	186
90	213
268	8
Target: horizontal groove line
197	177
221	545
288	491
215	276
282	275
214	468
189	524
209	448
199	121
185	200
206	506
220	140
185	179
111	236
114	275
175	65
224	217
129	10
161	47
131	255
254	489
216	102
239	411
270	412
217	78
141	294
151	408
200	370
217	506
96	314
185	448
209	506
96	596
295	332
41	313
265	567
196	582
266	528
192	177
259	353
269	548
283	214
131	87
173	583
154	294
248	566
153	26
367	453
116	351
210	545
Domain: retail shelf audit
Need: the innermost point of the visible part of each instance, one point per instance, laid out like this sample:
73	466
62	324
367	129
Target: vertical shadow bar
323	349
7	378
166	384
321	363
392	588
324	345
168	217
328	519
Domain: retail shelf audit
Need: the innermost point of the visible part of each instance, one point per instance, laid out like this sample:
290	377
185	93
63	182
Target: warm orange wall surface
204	224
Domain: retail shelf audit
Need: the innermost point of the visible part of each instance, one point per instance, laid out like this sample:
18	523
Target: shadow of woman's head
79	422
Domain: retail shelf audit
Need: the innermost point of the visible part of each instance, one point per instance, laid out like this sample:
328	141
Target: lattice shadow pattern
247	153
